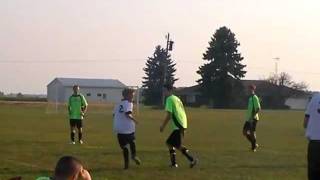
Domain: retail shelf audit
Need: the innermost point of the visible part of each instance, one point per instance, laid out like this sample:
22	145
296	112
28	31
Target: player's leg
253	135
172	153
186	153
122	139
133	149
314	160
80	131
184	150
171	141
72	130
246	131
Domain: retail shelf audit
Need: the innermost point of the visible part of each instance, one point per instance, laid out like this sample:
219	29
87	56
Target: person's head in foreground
168	89
128	94
70	168
76	89
252	88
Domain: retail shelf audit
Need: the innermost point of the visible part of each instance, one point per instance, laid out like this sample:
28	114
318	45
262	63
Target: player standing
176	113
124	125
77	107
312	127
249	128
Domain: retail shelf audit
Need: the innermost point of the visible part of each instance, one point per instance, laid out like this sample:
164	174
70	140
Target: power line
85	61
134	60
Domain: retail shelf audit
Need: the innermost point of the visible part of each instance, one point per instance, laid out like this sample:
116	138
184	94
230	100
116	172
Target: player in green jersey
178	122
252	118
77	107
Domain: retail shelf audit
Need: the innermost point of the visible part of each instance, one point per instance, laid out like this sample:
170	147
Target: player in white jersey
124	125
312	126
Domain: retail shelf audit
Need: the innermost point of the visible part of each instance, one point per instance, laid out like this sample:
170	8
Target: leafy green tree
160	69
220	75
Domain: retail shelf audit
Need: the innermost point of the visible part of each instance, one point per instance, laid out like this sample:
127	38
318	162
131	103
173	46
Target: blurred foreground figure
68	168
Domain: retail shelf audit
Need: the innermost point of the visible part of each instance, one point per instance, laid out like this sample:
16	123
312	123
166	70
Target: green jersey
43	178
253	107
75	106
179	117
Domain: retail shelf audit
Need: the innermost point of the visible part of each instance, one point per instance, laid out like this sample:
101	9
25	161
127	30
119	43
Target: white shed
95	90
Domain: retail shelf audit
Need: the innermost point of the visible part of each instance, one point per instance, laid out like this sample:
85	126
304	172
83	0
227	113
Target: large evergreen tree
157	66
220	75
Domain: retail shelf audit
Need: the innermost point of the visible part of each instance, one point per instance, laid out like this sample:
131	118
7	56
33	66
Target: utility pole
169	47
277	59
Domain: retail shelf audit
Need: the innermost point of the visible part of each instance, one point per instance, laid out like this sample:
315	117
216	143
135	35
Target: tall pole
165	65
277	59
164	80
138	100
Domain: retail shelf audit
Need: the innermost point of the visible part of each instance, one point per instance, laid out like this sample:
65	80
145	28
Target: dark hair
168	86
127	91
75	86
66	167
252	87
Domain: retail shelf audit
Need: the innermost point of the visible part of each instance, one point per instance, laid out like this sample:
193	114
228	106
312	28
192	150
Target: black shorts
314	160
125	139
250	125
175	138
76	123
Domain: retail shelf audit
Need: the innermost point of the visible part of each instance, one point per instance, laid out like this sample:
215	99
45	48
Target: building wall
97	95
55	92
297	103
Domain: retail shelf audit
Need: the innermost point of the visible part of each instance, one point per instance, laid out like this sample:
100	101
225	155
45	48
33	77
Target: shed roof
101	83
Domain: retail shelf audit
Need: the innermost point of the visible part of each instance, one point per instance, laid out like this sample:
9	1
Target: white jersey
121	123
313	110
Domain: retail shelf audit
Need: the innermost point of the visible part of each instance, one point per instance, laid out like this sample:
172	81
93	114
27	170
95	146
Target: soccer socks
172	156
253	141
185	152
133	149
72	134
80	136
248	136
125	157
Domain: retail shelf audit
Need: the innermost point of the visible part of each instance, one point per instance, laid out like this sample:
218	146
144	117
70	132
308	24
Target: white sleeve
128	107
313	105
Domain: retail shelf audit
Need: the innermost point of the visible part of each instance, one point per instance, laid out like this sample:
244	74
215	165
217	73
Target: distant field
31	141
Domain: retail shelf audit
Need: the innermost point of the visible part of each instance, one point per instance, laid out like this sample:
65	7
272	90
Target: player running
175	113
77	107
124	126
249	128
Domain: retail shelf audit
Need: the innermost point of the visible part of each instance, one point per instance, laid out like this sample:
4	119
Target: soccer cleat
174	166
136	160
255	148
193	163
72	142
80	142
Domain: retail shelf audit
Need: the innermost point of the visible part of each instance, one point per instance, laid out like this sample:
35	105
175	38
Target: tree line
220	75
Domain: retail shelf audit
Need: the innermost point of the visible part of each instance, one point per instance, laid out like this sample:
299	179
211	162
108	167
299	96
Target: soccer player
77	107
178	120
124	125
69	168
312	125
249	128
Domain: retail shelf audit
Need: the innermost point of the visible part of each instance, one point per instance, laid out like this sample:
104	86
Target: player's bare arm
130	116
306	120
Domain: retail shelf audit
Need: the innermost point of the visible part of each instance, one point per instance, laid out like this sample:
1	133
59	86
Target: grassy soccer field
31	141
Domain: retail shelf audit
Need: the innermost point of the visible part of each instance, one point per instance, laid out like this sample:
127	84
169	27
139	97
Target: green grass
32	140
